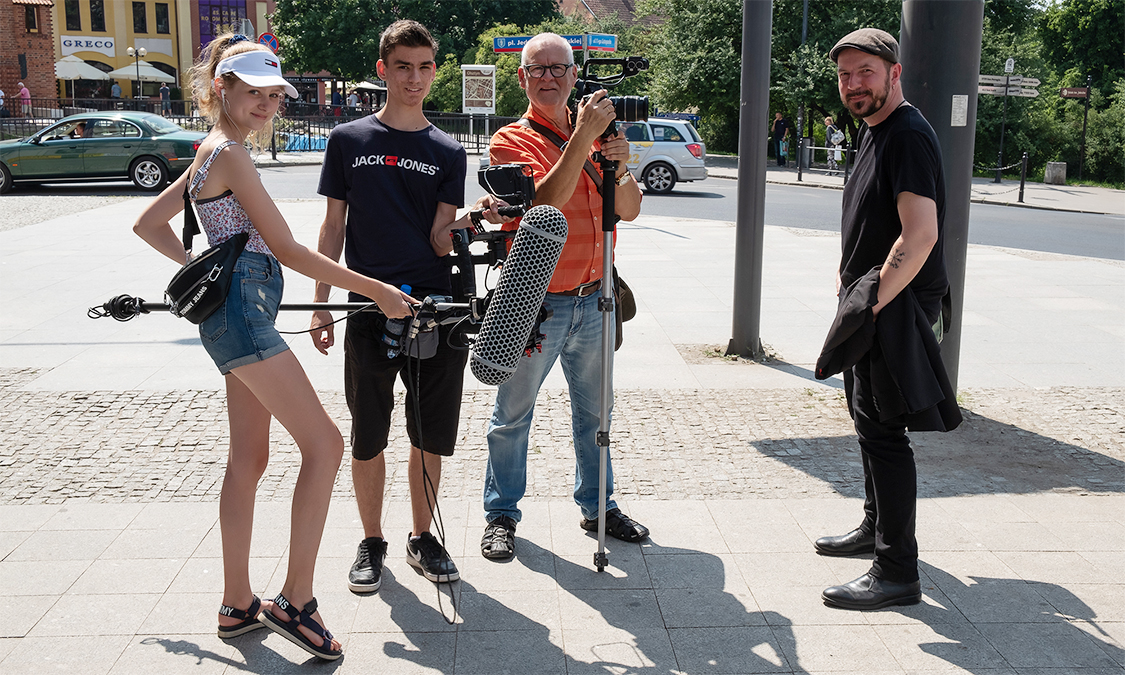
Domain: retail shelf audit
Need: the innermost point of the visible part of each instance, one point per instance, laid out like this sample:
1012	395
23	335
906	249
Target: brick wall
37	48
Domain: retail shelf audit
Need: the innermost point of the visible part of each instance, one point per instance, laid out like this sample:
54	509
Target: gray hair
544	37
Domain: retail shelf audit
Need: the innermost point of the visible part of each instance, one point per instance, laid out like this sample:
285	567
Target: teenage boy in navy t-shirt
394	183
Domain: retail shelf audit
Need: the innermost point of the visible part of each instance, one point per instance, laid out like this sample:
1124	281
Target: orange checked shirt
581	258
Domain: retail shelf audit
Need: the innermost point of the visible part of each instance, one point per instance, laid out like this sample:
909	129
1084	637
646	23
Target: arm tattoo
895	258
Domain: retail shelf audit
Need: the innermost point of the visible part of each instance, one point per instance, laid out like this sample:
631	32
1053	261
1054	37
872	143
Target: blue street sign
599	42
515	43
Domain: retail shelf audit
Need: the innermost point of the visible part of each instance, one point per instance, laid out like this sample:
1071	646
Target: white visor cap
257	68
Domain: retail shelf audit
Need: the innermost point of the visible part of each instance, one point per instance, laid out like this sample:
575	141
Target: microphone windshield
519	294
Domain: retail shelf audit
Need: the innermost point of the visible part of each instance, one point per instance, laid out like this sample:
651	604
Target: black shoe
366	574
852	543
870	592
428	555
499	541
618	525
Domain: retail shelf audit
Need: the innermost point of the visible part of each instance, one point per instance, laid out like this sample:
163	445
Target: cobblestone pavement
145	446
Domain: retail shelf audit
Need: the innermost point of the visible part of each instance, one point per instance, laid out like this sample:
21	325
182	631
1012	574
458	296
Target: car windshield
162	126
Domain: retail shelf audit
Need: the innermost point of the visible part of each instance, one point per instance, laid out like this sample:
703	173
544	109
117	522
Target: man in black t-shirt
394	183
893	208
780	133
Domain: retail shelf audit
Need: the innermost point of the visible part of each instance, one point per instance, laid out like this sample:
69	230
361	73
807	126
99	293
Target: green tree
1085	35
342	36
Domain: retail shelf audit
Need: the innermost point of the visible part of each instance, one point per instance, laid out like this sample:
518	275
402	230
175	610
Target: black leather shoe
852	543
869	592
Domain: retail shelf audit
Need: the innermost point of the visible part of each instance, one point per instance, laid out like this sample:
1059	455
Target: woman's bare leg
281	386
249	452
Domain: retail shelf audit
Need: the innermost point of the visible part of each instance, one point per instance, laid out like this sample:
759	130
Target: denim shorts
242	331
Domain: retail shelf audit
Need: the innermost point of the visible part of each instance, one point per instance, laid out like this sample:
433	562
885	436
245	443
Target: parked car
663	152
108	145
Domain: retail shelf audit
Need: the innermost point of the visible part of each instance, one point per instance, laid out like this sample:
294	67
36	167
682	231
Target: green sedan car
111	145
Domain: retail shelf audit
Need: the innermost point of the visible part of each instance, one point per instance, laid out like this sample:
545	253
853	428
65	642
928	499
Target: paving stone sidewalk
153	446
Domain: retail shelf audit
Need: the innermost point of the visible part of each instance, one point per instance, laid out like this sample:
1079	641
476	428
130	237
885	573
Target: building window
162	25
31	18
73	17
97	16
140	19
219	16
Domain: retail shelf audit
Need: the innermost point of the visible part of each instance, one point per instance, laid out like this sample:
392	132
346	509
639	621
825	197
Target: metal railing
302	126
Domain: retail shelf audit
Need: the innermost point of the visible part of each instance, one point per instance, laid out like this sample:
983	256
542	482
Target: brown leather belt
583	290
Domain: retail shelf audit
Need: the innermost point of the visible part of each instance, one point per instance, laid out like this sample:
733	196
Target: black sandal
499	541
249	619
290	630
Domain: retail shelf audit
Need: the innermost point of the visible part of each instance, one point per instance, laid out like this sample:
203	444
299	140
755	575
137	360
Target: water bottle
393	332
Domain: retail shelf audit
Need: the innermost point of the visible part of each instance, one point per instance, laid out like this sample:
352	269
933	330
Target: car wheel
148	173
659	178
5	180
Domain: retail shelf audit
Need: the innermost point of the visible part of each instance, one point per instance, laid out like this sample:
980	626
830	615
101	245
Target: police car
664	152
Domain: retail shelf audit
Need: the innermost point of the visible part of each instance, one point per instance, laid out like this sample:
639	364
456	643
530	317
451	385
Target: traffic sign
1029	82
1010	65
1023	93
1011	80
269	40
1074	92
512	43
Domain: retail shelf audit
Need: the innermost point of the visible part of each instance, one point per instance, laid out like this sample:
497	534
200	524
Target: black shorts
369	379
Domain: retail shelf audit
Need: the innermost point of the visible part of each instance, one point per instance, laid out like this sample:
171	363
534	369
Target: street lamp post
137	54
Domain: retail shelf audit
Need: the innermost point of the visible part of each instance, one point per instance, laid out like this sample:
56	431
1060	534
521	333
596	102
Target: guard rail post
800	156
1023	176
847	162
273	142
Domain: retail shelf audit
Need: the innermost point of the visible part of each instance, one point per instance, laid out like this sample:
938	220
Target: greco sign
103	44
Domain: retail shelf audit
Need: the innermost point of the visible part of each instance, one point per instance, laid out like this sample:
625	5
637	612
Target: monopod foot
601	561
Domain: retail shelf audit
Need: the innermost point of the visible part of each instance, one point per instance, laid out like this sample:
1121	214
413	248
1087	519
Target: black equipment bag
201	286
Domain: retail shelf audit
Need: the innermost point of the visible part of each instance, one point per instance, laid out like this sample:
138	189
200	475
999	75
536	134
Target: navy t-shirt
392	181
900	154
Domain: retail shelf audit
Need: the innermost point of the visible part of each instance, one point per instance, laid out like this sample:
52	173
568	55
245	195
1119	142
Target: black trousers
890	483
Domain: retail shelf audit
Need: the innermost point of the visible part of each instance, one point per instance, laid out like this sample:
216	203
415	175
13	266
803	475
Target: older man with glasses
559	151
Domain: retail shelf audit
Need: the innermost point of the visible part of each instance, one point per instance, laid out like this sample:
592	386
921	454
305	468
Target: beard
874	102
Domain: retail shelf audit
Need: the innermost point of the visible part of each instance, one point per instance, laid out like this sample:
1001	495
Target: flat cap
870	40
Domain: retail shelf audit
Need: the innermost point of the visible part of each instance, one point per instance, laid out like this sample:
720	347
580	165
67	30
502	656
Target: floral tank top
222	217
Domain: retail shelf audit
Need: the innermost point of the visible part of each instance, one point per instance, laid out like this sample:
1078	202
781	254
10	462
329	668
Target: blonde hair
202	75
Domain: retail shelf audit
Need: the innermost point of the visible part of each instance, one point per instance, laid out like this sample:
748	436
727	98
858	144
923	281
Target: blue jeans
574	335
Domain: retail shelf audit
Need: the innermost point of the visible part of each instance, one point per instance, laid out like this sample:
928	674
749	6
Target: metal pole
933	73
800	147
757	24
847	162
1085	113
1023	176
273	142
609	336
1003	122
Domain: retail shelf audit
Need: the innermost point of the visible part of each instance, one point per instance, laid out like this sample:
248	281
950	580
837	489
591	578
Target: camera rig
513	183
629	108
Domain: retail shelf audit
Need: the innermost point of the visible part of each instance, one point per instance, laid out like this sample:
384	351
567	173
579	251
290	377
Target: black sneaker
428	555
367	571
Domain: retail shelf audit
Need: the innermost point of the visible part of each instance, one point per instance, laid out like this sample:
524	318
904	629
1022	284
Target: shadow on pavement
982	456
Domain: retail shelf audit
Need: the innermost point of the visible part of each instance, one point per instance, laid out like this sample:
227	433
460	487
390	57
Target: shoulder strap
550	135
191	224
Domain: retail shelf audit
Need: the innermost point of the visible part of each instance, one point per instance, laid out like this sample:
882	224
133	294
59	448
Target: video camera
629	108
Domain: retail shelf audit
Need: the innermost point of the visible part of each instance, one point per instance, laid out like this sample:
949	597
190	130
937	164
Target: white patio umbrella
73	68
148	73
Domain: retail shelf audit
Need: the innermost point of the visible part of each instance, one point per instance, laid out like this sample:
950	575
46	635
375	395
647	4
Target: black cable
346	316
414	385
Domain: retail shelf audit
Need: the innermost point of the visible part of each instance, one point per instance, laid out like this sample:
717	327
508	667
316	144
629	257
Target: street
1081	234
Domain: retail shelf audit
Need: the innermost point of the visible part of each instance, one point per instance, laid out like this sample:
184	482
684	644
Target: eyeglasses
557	69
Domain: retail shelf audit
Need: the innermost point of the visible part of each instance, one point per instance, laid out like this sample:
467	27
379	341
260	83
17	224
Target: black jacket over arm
908	375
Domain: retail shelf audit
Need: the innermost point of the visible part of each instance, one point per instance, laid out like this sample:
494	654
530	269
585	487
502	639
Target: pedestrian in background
24	97
780	138
165	100
833	137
